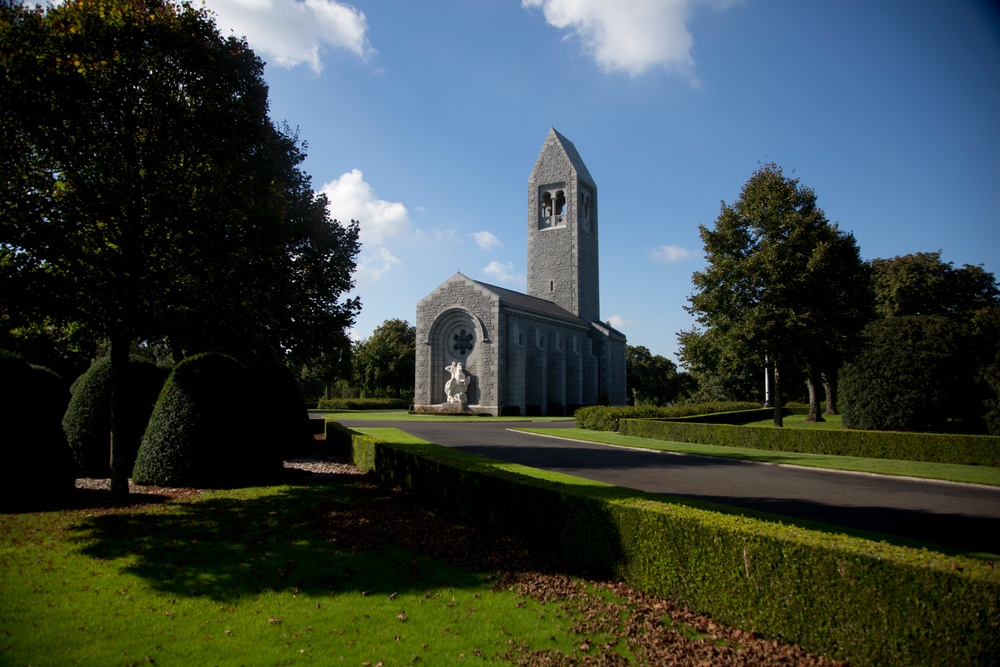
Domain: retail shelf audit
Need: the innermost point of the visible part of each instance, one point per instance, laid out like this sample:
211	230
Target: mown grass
941	471
245	577
832	422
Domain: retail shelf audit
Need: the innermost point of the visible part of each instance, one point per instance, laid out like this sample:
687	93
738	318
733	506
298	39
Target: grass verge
831	422
941	471
252	576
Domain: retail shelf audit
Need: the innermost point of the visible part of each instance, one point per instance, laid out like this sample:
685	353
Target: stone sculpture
455	387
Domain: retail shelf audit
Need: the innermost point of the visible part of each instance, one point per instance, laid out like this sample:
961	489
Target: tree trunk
121	456
778	402
830	389
815	380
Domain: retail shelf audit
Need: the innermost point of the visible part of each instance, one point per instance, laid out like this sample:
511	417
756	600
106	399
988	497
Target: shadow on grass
248	542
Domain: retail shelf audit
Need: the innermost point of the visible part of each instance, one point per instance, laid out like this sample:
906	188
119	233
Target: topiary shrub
87	421
191	440
32	399
280	415
908	375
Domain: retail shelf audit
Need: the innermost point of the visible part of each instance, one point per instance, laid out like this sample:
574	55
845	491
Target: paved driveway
958	515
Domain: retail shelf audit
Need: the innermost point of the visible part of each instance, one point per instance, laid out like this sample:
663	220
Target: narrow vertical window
545	215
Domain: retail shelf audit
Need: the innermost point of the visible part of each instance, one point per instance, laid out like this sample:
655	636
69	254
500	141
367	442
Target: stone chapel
484	348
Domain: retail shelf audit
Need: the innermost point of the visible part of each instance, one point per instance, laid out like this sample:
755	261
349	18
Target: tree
318	375
937	338
147	192
922	284
385	363
778	279
652	378
723	370
908	375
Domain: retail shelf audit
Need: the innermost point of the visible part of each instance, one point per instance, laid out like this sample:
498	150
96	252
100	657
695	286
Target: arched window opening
560	206
545	216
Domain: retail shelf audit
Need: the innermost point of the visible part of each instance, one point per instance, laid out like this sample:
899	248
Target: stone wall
459	321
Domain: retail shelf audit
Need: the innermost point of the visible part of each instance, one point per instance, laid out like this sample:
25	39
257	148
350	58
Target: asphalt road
957	515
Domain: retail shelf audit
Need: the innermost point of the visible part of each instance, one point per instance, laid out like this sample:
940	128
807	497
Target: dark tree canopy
909	374
148	195
385	363
931	359
782	283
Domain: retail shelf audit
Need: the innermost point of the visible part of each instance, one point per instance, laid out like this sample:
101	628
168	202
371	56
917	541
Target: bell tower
562	230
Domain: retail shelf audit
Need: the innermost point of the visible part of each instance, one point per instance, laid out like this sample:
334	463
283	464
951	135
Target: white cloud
352	198
671	253
619	322
629	35
373	265
292	32
503	273
486	240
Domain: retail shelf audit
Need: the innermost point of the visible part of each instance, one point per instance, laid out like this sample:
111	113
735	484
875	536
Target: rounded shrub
280	415
191	439
37	463
88	418
907	376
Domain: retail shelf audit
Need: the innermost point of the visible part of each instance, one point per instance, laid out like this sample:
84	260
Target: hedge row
363	404
848	598
981	450
606	418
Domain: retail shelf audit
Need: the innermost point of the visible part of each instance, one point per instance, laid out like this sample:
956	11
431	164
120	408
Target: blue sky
424	119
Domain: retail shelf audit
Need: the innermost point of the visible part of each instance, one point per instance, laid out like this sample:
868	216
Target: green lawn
246	577
799	421
942	471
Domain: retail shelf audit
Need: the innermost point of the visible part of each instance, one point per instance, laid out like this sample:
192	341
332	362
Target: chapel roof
531	303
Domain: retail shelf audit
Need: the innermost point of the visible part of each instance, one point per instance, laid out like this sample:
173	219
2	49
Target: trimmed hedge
363	404
606	418
280	415
982	450
87	421
191	441
37	466
848	598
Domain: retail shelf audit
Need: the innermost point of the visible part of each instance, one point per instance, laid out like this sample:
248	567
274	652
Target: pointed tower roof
570	151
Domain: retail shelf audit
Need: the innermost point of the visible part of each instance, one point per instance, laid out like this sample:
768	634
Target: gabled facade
543	352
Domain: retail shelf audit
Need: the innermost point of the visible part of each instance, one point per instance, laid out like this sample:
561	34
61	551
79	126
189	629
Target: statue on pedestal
456	386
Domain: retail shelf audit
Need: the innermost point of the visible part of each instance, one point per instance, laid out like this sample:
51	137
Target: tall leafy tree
385	363
930	359
148	194
773	288
923	284
724	370
652	378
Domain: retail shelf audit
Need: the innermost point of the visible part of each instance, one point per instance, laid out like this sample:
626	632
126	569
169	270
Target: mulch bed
656	630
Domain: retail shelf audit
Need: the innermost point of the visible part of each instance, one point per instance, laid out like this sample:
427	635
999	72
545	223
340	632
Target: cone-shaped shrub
192	440
282	421
37	464
88	418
